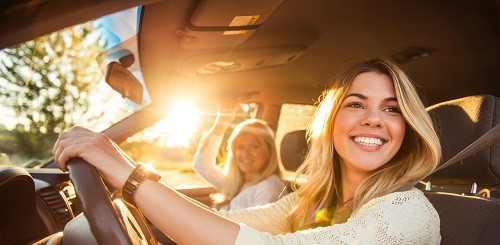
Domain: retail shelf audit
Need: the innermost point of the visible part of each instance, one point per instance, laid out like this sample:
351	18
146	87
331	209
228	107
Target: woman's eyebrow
364	97
361	96
391	99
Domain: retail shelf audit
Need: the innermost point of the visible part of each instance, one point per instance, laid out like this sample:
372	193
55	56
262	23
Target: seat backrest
293	148
459	123
467	219
20	222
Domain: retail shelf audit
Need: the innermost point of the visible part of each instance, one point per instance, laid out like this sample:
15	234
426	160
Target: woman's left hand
97	149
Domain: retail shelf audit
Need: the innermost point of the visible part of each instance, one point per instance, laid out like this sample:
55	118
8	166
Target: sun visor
222	23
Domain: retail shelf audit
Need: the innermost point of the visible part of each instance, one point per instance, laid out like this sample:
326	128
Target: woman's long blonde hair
419	154
234	182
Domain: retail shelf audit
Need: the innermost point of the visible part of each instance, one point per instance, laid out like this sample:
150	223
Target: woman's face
251	155
369	128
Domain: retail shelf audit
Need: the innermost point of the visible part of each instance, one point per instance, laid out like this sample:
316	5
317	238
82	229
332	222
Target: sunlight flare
182	120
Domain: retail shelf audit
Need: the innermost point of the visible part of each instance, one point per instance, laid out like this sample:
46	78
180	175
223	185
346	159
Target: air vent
57	202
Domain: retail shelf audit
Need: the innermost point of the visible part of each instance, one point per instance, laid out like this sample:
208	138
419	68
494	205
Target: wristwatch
141	172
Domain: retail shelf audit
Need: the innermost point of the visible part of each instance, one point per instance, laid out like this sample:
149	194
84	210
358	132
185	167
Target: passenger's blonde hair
234	182
419	154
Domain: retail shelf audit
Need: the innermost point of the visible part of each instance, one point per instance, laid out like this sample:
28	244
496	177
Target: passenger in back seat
251	175
370	136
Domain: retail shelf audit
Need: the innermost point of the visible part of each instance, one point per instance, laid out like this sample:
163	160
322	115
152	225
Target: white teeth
368	141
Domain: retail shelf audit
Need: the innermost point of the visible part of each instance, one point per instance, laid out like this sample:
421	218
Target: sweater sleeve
270	218
397	218
204	159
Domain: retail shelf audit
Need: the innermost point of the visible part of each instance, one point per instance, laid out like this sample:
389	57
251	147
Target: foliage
46	82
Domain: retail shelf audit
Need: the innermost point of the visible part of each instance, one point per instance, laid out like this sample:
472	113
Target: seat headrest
459	123
293	149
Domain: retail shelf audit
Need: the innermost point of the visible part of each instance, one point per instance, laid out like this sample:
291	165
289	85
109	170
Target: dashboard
55	198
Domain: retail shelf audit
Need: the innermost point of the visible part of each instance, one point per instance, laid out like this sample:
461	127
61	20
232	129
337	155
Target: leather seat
293	148
459	123
20	222
469	218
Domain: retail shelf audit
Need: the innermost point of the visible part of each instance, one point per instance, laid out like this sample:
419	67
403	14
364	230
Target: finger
56	150
66	134
73	137
75	147
57	146
63	155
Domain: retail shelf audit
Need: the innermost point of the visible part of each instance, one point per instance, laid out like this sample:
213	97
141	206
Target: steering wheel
111	221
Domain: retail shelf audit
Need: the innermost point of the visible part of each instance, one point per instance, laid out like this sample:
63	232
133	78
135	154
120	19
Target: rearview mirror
123	82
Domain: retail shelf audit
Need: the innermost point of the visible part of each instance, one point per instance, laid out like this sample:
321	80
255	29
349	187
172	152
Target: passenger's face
251	155
369	128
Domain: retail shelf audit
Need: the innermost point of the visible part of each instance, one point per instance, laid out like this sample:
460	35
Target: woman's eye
392	109
355	105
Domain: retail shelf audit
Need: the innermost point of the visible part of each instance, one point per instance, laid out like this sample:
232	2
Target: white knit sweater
397	218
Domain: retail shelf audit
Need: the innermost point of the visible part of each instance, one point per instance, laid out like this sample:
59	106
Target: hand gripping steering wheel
111	221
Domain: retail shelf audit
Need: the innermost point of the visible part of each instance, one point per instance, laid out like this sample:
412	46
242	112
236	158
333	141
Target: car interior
273	53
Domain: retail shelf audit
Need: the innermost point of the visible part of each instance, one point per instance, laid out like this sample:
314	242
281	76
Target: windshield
55	82
52	83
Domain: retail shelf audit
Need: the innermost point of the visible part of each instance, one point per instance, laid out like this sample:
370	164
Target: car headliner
450	48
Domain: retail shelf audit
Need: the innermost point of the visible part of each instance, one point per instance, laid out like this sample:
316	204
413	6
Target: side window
293	117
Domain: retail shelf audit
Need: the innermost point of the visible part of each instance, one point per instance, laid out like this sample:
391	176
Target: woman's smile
368	141
250	154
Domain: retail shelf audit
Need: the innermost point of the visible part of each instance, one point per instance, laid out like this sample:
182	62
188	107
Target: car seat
459	123
20	222
467	216
293	148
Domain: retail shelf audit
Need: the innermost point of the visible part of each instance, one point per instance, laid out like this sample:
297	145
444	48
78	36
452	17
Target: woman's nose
373	118
244	151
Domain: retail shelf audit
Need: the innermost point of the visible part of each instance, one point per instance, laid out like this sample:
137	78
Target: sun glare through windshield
183	119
